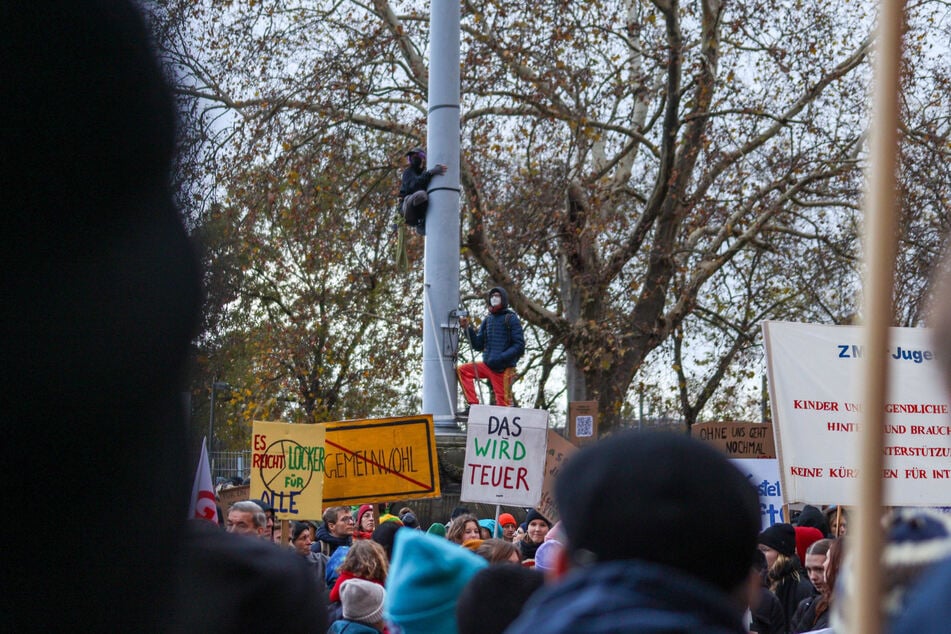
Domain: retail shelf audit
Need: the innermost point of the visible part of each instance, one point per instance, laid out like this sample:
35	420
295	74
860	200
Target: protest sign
582	422
381	460
558	451
505	455
764	475
287	468
813	375
738	440
239	493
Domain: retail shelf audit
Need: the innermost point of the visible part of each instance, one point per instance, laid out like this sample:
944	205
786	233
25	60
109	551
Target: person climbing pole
502	344
414	201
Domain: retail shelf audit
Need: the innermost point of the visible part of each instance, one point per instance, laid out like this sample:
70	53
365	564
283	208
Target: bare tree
622	161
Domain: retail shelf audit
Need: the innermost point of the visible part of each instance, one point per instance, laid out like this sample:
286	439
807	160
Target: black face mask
416	160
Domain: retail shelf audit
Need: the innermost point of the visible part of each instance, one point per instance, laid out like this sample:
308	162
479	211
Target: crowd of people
349	553
643	563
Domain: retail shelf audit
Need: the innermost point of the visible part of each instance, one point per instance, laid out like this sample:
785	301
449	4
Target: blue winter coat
343	626
928	608
630	597
500	337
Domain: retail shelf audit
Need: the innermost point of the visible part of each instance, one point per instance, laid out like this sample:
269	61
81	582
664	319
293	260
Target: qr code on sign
584	426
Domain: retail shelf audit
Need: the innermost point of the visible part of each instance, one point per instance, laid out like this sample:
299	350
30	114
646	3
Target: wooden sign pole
881	205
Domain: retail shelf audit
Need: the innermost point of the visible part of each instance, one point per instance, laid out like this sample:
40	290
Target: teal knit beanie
426	577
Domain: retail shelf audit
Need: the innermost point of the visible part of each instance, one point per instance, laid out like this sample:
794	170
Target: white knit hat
362	601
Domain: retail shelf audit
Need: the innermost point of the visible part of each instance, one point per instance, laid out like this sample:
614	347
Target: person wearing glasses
336	531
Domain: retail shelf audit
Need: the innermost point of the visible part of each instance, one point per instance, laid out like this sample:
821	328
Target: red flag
202	505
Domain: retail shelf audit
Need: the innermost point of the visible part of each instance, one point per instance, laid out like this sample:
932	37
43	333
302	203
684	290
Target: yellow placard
381	460
287	468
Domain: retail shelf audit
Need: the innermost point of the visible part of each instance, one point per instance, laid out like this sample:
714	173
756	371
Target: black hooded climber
413	197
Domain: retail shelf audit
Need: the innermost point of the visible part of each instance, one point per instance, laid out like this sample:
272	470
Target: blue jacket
500	337
343	626
630	597
927	608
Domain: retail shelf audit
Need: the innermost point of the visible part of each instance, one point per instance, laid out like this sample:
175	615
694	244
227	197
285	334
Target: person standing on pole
502	344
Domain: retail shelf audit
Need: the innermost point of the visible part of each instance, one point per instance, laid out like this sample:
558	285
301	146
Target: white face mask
495	300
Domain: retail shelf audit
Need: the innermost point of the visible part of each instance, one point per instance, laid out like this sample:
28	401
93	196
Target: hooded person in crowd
636	560
502	343
787	580
812	516
427	575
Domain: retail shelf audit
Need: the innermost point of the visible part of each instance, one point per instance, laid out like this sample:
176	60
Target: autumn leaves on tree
649	180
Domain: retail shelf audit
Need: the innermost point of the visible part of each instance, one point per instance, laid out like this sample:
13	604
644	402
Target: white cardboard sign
505	455
814	374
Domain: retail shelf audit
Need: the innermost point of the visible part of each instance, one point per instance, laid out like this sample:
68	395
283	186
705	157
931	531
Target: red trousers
501	382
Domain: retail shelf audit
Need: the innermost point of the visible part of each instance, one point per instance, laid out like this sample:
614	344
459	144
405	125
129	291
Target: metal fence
230	464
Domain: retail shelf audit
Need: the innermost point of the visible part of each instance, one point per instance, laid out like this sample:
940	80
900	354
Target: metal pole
640	408
441	268
211	421
215	386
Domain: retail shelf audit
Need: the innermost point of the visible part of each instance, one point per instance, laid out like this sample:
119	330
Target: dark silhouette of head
101	298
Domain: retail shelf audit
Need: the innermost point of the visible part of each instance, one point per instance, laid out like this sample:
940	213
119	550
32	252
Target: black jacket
804	620
767	613
414	180
794	586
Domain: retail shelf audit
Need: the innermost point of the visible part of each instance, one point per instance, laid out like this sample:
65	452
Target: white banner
763	473
813	375
505	455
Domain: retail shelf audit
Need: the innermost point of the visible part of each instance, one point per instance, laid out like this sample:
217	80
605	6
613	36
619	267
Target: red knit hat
507	518
806	536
